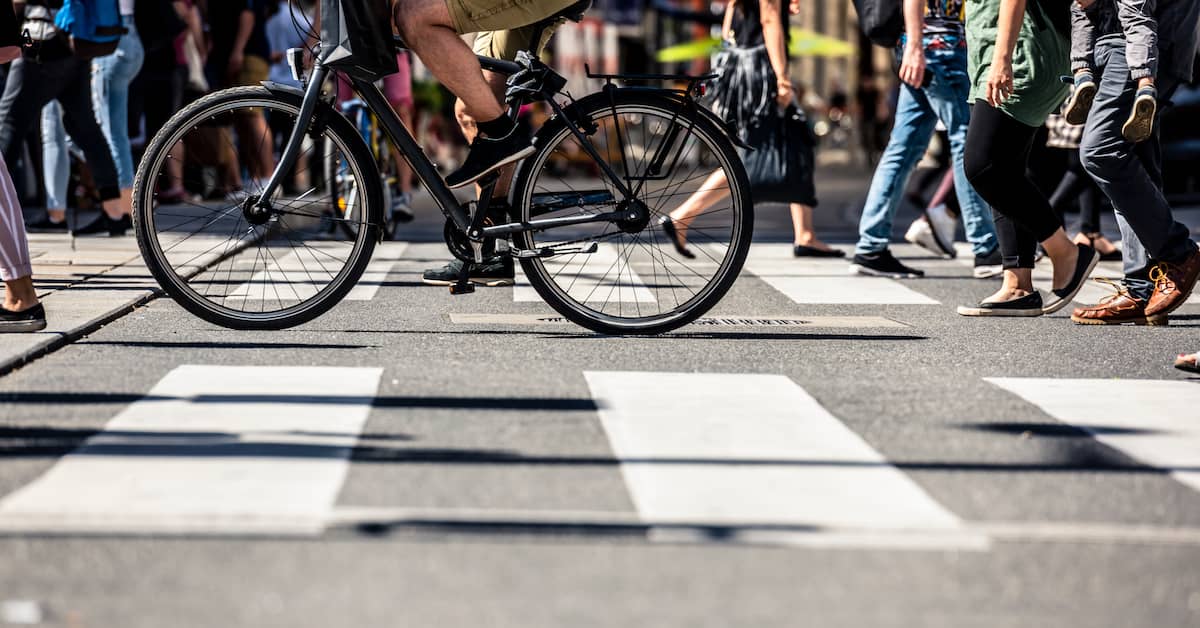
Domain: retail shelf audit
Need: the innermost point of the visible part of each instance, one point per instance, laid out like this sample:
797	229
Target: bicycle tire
668	105
176	286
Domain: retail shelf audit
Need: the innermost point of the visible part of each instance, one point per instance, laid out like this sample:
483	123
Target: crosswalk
803	282
704	457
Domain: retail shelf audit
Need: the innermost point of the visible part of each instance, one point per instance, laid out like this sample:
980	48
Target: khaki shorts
255	70
505	27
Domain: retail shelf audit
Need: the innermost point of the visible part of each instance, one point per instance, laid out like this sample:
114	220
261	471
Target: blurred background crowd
178	50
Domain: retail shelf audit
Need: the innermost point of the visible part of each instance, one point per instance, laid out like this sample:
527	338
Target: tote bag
360	33
780	167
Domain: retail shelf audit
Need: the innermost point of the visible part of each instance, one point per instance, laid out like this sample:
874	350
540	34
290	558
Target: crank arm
549	251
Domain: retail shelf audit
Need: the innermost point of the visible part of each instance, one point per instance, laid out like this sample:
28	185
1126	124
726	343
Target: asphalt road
892	464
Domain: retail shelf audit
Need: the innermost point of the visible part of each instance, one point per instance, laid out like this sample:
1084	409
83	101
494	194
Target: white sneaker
921	234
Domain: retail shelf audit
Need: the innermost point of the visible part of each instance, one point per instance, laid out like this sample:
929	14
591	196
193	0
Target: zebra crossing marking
811	281
209	450
292	277
757	452
1154	420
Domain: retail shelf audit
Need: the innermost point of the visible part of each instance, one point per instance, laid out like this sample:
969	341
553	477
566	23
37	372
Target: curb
62	339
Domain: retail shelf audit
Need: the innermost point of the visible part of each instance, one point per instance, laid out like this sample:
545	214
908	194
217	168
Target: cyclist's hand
794	7
784	93
912	68
9	53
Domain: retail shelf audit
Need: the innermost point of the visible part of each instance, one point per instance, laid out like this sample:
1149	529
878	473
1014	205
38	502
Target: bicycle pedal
457	289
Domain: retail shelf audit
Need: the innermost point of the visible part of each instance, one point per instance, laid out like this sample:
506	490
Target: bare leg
429	31
19	294
803	229
1018	282
403	170
175	162
1063	254
713	190
466	122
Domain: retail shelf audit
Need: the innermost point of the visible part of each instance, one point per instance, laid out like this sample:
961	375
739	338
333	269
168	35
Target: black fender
322	115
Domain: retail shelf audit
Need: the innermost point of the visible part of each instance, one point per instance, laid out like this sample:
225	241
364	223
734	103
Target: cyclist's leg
431	28
433	34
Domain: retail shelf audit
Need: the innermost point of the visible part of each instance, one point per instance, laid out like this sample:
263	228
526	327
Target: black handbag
780	166
359	33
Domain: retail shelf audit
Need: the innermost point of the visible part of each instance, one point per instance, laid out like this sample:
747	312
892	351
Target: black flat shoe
1088	258
668	227
808	251
45	225
1027	306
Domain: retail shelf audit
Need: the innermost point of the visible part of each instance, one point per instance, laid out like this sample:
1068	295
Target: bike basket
358	34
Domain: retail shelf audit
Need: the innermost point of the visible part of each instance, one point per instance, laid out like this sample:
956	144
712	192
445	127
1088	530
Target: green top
1041	57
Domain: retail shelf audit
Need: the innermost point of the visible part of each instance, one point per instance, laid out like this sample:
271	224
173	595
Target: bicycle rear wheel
635	282
216	257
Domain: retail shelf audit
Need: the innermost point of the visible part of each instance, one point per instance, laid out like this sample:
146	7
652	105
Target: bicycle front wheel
681	166
199	236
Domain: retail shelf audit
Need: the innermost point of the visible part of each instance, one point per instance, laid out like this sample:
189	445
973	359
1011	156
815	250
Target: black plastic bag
781	165
359	33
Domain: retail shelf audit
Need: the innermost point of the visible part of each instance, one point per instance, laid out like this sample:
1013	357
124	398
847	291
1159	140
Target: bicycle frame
427	172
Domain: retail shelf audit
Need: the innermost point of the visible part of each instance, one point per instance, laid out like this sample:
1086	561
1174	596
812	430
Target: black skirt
744	94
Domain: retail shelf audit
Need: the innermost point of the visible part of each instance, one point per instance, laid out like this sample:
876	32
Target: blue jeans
917	114
111	77
56	158
1131	174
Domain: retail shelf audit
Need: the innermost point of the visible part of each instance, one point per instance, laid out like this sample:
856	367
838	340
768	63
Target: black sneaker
32	319
45	225
497	271
105	225
488	154
989	265
882	264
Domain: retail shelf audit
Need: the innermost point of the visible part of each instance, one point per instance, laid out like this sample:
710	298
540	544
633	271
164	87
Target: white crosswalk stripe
1152	421
757	451
826	281
209	450
301	273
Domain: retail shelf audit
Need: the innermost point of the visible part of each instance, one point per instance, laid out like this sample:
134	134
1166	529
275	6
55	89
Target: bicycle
586	237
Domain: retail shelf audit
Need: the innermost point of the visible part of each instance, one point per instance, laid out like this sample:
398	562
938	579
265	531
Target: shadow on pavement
1056	430
157	344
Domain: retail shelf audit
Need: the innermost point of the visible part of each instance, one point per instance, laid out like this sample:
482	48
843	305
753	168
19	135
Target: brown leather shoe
1173	284
1117	309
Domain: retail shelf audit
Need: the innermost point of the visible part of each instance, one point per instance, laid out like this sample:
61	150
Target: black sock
499	127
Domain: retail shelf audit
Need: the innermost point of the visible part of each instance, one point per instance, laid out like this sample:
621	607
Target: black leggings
1078	184
997	152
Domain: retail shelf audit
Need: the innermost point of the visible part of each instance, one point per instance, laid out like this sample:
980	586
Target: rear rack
609	78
